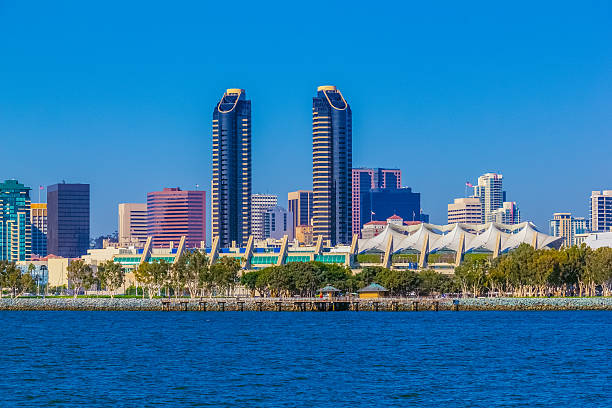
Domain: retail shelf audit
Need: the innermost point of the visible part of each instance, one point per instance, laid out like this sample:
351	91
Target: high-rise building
491	194
259	204
231	182
15	223
601	211
277	223
68	219
132	224
365	179
378	204
173	213
465	211
38	219
299	203
508	214
331	166
568	227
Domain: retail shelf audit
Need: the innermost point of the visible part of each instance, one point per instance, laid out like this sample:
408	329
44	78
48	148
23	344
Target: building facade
365	179
601	211
132	224
260	203
508	214
299	203
38	219
173	213
68	219
465	211
491	194
572	230
278	223
303	234
331	166
378	204
231	183
15	222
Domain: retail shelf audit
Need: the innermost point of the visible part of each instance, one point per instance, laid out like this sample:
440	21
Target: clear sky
120	94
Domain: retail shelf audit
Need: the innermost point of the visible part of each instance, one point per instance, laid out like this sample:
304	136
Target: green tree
572	267
80	276
398	281
598	270
280	281
304	278
431	282
224	273
3	276
110	275
192	271
472	276
249	281
143	275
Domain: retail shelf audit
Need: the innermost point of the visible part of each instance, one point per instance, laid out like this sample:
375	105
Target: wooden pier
317	304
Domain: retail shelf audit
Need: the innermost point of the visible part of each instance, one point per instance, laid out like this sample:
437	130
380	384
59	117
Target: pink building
365	179
172	213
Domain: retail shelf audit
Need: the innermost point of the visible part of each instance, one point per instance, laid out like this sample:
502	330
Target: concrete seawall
295	304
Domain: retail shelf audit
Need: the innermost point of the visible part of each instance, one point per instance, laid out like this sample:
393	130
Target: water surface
197	359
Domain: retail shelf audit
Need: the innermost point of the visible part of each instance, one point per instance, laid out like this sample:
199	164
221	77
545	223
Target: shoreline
310	304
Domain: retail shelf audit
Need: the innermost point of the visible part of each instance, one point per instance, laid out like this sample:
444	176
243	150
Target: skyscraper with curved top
231	183
331	165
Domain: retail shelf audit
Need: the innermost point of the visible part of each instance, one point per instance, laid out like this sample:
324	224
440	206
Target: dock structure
309	304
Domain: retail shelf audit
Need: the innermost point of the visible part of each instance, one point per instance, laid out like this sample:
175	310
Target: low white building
599	240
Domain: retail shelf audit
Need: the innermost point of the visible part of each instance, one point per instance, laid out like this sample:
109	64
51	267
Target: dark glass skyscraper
331	165
365	179
381	203
231	183
68	219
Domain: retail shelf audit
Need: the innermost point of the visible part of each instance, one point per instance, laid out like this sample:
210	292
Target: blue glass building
378	204
332	132
15	224
231	183
68	220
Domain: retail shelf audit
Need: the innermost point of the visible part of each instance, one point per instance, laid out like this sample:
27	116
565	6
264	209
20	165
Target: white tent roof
452	239
482	236
417	238
487	239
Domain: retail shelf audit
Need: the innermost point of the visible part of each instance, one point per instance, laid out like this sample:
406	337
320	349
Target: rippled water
191	359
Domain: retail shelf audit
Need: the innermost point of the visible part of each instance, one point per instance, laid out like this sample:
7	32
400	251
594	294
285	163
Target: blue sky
121	95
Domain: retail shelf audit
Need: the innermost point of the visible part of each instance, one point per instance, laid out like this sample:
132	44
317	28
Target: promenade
308	304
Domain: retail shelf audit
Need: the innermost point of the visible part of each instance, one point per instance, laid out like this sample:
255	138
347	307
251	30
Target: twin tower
331	167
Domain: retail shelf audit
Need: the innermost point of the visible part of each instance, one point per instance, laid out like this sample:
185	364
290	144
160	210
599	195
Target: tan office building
132	224
300	204
465	211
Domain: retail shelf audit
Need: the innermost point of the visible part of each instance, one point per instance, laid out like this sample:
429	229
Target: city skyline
457	106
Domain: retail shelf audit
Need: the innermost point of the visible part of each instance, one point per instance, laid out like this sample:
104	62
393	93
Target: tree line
306	278
192	274
14	278
572	271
